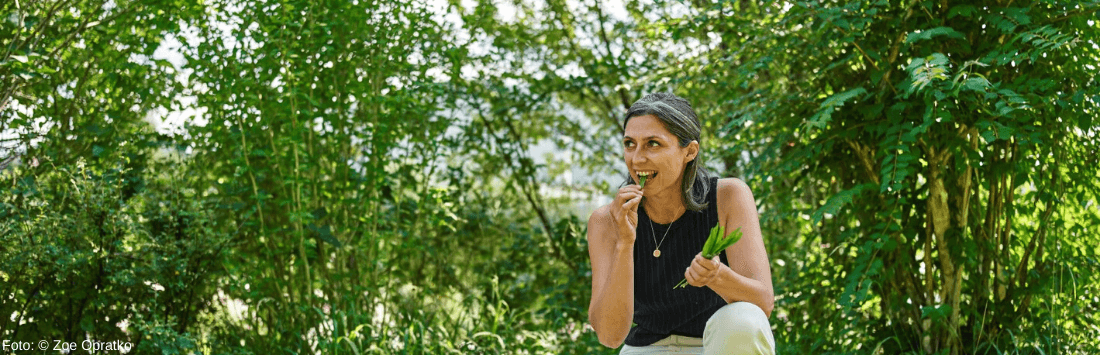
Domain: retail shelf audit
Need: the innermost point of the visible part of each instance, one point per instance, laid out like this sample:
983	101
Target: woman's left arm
748	278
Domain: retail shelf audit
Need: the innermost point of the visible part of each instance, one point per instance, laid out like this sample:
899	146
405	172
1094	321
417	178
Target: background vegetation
381	176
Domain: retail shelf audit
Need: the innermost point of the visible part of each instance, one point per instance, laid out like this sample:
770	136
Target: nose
638	157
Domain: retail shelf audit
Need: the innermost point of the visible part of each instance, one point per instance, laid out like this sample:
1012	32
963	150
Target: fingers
632	204
702	271
625	209
705	264
628	193
695	278
629	209
628	198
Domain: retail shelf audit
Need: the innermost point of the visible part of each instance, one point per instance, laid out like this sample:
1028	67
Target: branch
6	161
1021	269
856	44
864	159
892	58
1069	14
607	47
588	68
610	116
527	186
37	29
5	99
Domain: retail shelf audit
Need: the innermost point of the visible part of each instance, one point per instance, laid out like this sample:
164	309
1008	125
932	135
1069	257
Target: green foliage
361	177
967	119
82	260
911	159
85	69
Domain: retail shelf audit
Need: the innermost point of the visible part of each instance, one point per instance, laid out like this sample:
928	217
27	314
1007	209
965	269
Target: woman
646	240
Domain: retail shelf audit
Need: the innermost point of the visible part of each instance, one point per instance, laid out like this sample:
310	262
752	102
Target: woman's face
649	148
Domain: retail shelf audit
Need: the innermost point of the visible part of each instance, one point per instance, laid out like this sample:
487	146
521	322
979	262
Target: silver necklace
657	251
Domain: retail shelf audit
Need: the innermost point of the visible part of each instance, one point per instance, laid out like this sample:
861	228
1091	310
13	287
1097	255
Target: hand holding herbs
716	242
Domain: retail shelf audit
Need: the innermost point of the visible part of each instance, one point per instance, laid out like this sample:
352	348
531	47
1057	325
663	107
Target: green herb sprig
716	242
642	184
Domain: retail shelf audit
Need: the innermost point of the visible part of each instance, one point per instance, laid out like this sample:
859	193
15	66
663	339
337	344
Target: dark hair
678	117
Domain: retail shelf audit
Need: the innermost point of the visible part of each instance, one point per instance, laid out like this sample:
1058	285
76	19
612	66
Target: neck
664	208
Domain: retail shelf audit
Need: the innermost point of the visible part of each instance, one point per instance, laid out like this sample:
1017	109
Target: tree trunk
940	213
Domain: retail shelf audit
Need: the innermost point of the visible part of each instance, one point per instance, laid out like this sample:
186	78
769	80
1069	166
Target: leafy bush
81	261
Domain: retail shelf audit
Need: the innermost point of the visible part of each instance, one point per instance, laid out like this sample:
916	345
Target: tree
937	151
362	177
83	239
920	166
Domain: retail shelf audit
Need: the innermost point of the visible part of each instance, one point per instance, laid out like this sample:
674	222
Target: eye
654	144
628	144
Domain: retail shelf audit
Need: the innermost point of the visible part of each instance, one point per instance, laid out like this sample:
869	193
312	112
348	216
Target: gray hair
678	117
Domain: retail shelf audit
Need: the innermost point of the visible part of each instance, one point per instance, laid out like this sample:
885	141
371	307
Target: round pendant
657	253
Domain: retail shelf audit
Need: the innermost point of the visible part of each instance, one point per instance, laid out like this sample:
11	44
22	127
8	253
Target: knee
739	322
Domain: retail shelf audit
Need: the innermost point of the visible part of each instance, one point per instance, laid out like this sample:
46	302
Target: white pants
737	328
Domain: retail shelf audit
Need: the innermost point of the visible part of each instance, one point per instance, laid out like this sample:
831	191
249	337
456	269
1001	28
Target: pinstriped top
660	311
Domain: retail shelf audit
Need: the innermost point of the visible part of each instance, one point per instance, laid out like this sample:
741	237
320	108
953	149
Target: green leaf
930	33
87	323
939	312
835	202
325	234
840	98
723	242
961	10
976	83
708	245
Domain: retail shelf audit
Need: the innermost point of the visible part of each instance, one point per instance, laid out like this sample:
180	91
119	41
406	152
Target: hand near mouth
624	211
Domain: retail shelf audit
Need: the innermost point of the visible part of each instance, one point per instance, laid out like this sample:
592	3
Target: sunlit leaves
932	33
926	70
975	96
375	154
821	118
839	200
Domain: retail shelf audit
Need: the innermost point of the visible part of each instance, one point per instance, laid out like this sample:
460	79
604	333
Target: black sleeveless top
659	310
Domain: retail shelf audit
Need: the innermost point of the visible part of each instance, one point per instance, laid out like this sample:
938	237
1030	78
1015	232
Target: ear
692	151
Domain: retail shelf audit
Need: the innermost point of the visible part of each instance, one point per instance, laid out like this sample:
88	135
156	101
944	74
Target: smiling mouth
647	174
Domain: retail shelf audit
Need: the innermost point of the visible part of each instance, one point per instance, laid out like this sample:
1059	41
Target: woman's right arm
611	250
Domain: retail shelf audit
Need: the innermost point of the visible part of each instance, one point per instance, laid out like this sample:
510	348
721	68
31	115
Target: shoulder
734	193
602	212
730	186
600	224
600	217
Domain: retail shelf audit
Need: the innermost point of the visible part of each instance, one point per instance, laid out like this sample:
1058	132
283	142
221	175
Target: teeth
645	173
